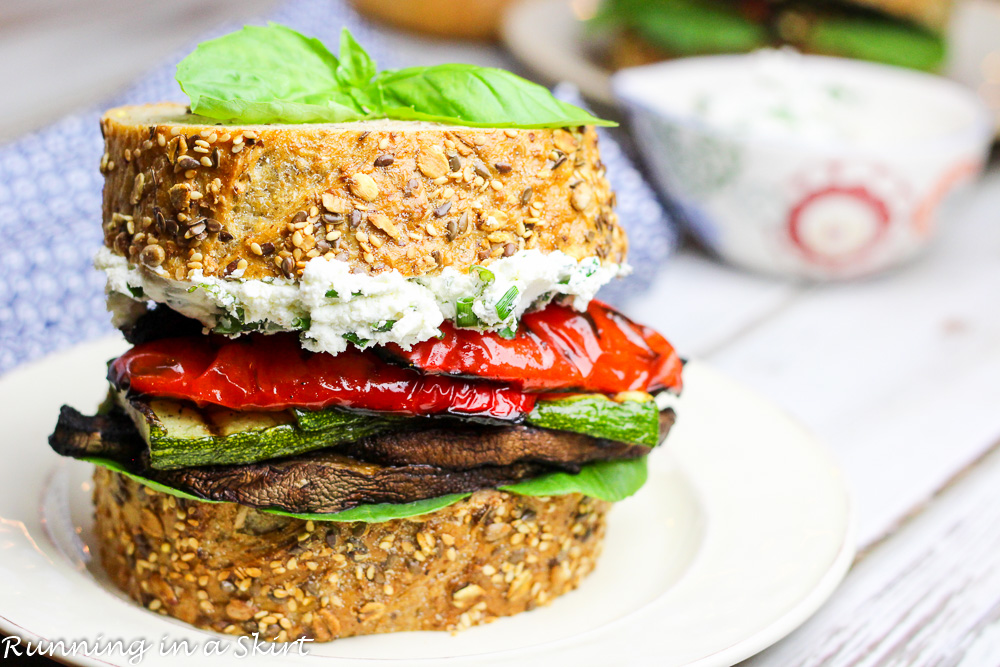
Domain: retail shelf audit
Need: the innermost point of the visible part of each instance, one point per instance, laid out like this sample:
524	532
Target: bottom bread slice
236	570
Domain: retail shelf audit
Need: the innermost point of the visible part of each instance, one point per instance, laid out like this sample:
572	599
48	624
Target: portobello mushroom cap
459	446
326	482
422	464
111	436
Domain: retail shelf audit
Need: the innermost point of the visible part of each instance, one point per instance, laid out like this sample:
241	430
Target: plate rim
824	587
803	610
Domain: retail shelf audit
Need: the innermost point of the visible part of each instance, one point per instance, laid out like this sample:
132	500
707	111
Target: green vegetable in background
879	40
694	27
686	27
274	74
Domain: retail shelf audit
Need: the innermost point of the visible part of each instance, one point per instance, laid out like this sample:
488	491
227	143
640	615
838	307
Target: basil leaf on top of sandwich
369	387
276	75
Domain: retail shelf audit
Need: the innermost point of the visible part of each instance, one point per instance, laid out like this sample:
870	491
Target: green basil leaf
474	96
266	75
355	67
276	75
605	480
332	294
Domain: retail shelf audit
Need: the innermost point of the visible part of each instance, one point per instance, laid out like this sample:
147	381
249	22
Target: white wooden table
899	375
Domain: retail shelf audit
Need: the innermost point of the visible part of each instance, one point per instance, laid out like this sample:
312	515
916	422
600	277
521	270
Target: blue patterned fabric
50	206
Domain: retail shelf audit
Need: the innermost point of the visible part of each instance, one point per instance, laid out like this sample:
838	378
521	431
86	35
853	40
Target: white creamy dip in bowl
806	166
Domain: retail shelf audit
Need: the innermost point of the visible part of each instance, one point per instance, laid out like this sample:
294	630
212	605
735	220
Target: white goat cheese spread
330	305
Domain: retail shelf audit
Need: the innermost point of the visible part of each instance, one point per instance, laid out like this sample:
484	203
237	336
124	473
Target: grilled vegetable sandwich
369	388
908	33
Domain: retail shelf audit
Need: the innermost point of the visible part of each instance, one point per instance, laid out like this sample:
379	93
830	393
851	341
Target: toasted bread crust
236	570
262	200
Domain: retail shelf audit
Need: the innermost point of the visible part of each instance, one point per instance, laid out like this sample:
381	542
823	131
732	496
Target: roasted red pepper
557	349
274	373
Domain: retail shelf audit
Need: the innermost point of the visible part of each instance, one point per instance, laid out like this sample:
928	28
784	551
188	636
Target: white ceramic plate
743	530
548	37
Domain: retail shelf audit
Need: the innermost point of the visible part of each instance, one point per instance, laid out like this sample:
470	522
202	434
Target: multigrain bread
236	570
181	194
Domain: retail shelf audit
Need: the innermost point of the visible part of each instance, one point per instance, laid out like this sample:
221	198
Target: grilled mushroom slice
423	464
458	446
326	482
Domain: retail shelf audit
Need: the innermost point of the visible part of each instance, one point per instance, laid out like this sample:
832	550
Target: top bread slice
182	193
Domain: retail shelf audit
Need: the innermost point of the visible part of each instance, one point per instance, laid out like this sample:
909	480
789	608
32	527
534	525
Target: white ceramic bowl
812	205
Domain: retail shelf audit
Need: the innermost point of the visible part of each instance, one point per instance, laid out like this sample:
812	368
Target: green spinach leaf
605	480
